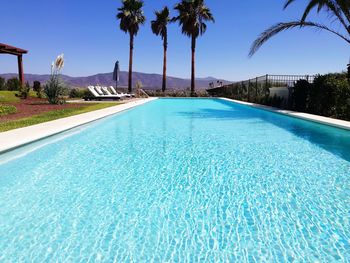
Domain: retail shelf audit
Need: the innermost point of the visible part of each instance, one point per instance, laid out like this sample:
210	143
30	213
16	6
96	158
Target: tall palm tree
160	28
131	17
339	10
192	15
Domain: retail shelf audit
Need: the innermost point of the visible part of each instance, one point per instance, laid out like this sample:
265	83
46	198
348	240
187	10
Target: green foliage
160	24
2	84
192	16
7	109
38	89
300	95
330	96
55	90
24	91
8	96
131	16
13	84
78	93
338	10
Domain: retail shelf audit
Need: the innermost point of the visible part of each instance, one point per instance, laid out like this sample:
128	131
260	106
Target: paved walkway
18	137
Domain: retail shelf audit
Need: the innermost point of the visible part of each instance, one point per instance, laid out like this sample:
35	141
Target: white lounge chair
119	93
98	94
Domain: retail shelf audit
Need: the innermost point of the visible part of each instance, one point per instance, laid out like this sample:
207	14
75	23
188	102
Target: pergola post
15	51
20	69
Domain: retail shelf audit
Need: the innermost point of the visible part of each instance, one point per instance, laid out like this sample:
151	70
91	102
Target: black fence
261	89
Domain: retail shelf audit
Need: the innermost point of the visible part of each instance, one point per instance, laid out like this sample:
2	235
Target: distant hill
149	81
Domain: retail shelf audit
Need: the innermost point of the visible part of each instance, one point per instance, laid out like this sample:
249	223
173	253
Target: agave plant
131	17
339	10
160	28
192	15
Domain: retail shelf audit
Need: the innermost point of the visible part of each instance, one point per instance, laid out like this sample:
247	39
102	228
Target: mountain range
149	81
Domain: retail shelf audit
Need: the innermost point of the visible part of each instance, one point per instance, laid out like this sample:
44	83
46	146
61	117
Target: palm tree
131	17
160	28
192	17
337	9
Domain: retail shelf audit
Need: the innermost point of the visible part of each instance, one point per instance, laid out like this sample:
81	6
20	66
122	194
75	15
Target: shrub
329	96
78	93
7	109
54	88
38	89
2	84
24	91
13	84
300	95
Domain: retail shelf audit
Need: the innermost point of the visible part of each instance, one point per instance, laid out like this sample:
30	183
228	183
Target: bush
55	90
7	109
2	84
300	95
38	89
13	84
329	96
24	91
78	93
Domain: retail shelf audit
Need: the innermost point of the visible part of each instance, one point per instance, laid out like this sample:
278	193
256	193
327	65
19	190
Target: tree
13	84
192	15
160	28
338	10
131	17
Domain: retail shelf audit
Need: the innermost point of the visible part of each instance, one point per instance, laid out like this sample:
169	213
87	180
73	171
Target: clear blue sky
88	34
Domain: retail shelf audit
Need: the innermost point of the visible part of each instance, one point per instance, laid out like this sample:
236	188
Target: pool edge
13	139
341	124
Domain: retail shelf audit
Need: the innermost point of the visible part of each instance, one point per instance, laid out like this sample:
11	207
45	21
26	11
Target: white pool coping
19	137
305	116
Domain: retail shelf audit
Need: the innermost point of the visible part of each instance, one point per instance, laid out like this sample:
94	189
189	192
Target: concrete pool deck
15	138
305	116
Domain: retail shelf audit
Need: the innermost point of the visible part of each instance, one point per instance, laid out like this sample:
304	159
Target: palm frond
131	16
274	30
160	24
192	15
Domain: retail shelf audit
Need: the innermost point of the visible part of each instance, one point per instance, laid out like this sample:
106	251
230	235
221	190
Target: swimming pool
181	180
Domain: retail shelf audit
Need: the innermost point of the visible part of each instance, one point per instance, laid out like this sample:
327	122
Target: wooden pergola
7	49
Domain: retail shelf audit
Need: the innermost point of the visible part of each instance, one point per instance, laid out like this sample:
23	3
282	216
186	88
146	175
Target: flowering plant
54	88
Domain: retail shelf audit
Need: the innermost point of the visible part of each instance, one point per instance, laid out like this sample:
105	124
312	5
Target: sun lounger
98	94
121	94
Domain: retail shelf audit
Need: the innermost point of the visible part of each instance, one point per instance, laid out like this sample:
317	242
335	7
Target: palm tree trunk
130	62
193	75
165	63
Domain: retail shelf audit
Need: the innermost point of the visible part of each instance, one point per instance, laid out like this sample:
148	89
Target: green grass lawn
52	115
8	96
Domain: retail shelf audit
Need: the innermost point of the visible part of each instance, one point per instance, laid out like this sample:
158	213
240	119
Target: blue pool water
180	180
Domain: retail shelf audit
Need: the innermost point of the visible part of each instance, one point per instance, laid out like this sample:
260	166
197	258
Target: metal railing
258	89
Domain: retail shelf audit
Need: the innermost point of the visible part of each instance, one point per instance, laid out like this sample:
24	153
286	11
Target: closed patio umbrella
116	73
